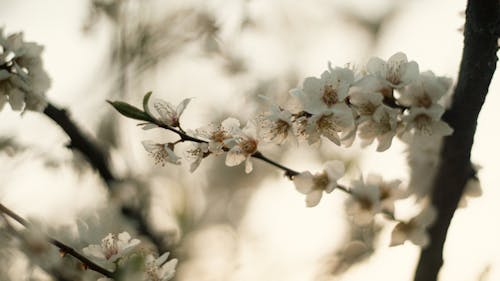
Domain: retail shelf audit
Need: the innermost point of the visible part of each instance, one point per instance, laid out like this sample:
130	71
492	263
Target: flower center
321	181
325	122
330	96
423	123
249	146
109	245
424	101
280	128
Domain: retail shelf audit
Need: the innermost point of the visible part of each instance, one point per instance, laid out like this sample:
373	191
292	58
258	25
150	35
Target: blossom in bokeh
245	145
415	230
396	73
158	269
314	185
364	202
112	247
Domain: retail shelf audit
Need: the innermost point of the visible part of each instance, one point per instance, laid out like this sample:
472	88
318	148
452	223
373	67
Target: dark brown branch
63	247
79	141
476	70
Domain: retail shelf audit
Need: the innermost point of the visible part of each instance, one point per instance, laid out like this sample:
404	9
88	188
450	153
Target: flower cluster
114	248
382	100
23	81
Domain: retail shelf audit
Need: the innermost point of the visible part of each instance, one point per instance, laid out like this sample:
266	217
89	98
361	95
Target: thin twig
63	247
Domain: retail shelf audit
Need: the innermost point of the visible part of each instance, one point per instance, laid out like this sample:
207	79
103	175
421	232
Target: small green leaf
130	111
145	102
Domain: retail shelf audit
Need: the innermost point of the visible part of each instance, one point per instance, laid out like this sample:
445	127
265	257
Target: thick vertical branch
476	70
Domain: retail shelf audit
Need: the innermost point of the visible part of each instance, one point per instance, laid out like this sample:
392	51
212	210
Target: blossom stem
65	249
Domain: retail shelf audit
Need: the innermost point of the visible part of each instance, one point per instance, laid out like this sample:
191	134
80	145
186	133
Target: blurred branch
97	158
65	249
482	29
93	153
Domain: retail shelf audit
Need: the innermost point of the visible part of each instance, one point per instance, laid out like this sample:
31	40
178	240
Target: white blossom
426	91
382	125
158	269
23	81
245	144
326	93
112	247
427	121
219	136
166	112
389	191
196	153
415	230
277	125
314	185
364	202
396	73
161	152
329	124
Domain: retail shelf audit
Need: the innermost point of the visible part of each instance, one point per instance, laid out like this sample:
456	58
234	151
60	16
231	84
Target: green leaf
130	111
145	102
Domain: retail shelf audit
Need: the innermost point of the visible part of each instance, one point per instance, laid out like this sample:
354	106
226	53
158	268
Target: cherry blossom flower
219	136
314	185
23	81
161	153
167	113
245	144
382	125
159	269
414	230
277	125
325	93
426	91
329	124
196	153
112	247
364	202
389	191
396	73
427	121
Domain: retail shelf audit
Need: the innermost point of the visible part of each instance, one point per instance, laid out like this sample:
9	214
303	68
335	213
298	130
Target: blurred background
219	222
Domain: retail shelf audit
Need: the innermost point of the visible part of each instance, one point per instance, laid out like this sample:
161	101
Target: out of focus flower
415	230
161	153
196	153
427	121
245	144
314	185
364	202
159	269
112	247
23	81
389	191
396	73
426	91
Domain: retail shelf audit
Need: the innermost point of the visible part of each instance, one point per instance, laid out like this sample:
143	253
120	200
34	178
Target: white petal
398	236
180	108
150	146
304	182
335	170
313	197
235	157
16	99
248	165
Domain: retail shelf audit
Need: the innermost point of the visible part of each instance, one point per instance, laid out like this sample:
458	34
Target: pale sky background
279	238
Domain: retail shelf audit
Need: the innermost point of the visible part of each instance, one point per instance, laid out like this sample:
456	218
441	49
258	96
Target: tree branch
94	154
97	158
63	247
476	70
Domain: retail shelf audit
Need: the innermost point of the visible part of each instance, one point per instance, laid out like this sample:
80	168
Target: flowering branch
482	29
65	249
